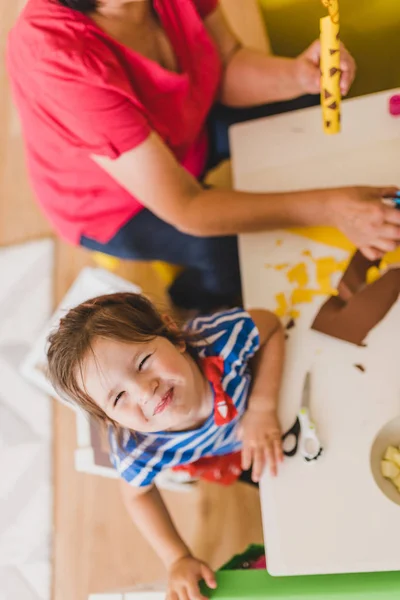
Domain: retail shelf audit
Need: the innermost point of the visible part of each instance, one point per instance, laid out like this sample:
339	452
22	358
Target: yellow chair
105	261
166	271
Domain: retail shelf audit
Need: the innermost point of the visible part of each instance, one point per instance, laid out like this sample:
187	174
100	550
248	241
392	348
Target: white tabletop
328	516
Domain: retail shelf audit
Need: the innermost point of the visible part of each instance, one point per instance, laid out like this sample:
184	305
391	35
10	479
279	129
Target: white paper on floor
25	426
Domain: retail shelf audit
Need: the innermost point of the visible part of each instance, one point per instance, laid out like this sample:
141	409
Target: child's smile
147	387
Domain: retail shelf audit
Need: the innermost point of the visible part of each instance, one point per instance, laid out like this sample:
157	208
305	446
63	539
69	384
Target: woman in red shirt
116	100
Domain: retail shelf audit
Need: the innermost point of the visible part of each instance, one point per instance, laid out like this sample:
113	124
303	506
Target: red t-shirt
79	92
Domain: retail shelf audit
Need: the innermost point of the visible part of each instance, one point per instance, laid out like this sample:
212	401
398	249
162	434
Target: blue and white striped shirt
231	335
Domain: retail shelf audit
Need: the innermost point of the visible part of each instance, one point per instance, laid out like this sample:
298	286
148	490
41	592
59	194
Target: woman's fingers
348	69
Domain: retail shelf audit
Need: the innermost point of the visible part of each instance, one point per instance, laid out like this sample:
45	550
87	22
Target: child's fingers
193	592
270	457
258	464
278	450
208	576
247	457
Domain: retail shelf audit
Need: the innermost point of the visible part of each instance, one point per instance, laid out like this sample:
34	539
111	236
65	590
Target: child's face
146	387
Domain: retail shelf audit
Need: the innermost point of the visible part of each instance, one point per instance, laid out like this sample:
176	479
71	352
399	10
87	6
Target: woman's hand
370	224
261	436
184	577
308	74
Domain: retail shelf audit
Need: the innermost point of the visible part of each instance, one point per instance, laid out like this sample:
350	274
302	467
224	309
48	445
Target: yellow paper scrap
325	267
303	296
294	314
330	68
281	267
373	274
282	307
325	235
298	274
343	264
392	258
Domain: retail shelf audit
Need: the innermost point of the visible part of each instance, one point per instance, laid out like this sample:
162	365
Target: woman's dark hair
83	6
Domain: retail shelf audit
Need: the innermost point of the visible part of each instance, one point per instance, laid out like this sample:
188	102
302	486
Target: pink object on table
260	563
394	105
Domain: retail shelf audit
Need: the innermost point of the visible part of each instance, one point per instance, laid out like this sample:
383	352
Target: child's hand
184	577
261	435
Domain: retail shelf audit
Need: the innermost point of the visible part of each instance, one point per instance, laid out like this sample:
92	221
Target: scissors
309	445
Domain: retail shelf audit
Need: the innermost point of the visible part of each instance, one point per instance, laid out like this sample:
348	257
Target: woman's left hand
261	435
307	69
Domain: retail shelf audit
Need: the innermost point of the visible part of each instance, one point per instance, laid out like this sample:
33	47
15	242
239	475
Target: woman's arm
260	431
151	174
251	77
150	515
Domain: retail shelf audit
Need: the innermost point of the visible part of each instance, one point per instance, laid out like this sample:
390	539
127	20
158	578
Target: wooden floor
96	547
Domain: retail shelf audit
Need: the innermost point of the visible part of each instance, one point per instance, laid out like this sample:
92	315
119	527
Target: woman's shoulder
48	34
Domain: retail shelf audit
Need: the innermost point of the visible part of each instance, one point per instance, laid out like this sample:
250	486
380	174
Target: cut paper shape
373	274
291	324
298	275
294	314
282	308
359	306
281	267
325	267
330	68
325	235
304	296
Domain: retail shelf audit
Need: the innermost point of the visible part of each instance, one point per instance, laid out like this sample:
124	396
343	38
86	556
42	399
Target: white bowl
389	435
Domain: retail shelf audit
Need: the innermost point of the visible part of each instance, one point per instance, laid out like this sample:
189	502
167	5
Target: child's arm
149	513
260	429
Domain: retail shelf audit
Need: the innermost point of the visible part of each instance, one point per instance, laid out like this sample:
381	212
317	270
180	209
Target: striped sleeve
231	334
133	461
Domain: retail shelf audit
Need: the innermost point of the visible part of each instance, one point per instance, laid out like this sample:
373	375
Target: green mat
251	585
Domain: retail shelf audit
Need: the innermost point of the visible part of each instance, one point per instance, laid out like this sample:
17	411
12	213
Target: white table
328	516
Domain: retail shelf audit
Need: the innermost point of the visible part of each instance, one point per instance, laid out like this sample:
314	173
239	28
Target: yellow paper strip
298	274
303	296
330	68
282	307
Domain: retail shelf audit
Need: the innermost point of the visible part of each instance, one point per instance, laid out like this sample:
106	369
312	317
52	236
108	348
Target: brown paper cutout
359	307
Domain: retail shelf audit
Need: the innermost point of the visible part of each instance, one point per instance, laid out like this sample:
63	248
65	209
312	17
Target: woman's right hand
370	224
184	577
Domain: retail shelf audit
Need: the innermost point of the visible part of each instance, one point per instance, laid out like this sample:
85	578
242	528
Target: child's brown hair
124	317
